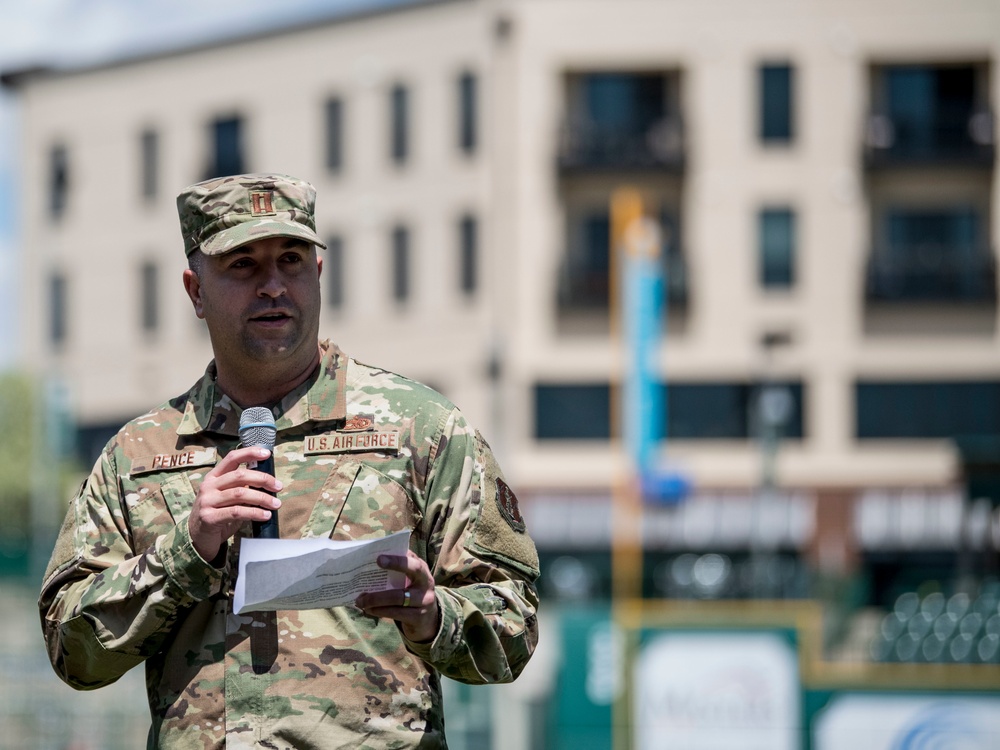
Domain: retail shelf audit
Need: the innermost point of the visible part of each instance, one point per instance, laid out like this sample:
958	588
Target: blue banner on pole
643	306
645	410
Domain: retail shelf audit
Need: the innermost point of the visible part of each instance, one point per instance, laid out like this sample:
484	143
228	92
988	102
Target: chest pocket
156	503
360	502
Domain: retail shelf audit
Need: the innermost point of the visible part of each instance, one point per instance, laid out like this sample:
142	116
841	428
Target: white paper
313	573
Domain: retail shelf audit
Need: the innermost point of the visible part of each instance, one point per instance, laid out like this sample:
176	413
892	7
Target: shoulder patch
499	531
507	503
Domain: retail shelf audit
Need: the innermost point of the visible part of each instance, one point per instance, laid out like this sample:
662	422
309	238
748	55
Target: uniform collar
321	398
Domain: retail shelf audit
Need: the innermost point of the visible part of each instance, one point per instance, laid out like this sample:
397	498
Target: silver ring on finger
406	597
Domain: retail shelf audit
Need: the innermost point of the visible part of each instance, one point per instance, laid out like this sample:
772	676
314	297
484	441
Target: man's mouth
271	318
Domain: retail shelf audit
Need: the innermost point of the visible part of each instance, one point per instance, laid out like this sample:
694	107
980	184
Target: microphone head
257	427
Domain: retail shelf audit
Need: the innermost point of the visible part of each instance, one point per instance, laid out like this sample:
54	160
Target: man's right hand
228	499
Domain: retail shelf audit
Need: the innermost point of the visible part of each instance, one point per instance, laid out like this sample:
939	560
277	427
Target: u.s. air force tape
385	441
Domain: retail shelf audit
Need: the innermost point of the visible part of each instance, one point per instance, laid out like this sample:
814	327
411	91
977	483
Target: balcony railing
587	290
897	142
586	147
933	274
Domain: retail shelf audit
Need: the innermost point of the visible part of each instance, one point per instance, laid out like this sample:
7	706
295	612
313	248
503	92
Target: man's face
261	302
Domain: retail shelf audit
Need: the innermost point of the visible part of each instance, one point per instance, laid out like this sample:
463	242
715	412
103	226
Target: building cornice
17	78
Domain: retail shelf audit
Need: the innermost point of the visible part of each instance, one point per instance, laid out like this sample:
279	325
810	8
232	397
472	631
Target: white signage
604	663
725	691
882	722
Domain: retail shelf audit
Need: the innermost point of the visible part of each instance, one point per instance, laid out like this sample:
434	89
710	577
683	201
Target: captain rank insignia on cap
262	203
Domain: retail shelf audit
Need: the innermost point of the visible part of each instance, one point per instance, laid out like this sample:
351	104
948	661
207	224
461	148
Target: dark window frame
58	308
468	112
58	180
692	410
334	131
932	111
931	253
727	410
925	410
149	299
468	248
228	152
399	124
585	271
401	262
560	411
781	274
622	119
776	103
149	161
333	272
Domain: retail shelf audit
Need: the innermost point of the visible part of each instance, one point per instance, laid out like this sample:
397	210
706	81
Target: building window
933	410
334	134
58	314
226	158
333	272
400	264
400	123
572	412
776	104
149	163
622	120
931	253
585	273
468	239
58	180
693	411
467	113
776	242
700	411
929	112
149	302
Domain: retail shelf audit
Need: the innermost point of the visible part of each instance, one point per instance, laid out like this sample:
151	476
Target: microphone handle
267	529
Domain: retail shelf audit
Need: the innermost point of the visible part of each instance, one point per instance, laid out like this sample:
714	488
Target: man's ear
192	285
319	264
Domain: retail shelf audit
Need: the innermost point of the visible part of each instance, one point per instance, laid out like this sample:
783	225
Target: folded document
313	573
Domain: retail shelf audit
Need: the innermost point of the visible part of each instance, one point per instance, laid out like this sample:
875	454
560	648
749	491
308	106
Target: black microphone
257	429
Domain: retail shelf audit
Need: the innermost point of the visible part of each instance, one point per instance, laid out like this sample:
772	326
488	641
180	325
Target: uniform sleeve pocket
154	507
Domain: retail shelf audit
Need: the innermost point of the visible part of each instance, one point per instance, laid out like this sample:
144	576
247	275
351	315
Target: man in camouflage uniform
144	566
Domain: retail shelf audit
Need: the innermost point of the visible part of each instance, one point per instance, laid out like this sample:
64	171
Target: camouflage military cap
221	214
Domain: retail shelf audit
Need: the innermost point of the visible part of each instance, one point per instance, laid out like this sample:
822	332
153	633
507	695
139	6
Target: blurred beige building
823	173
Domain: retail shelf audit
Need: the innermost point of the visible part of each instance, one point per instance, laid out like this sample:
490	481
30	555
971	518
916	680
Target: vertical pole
626	212
626	541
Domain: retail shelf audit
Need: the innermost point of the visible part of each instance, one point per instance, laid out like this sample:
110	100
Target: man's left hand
414	607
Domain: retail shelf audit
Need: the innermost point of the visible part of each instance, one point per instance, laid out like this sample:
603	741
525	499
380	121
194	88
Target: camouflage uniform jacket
125	585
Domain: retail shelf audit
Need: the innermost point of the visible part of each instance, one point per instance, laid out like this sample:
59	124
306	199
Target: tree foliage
18	439
35	454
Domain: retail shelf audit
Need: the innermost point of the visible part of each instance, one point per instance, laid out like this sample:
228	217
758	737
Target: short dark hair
196	261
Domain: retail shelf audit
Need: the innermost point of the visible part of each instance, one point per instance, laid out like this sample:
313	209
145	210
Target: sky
79	32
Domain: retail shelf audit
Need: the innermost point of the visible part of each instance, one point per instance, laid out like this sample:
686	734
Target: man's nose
272	285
